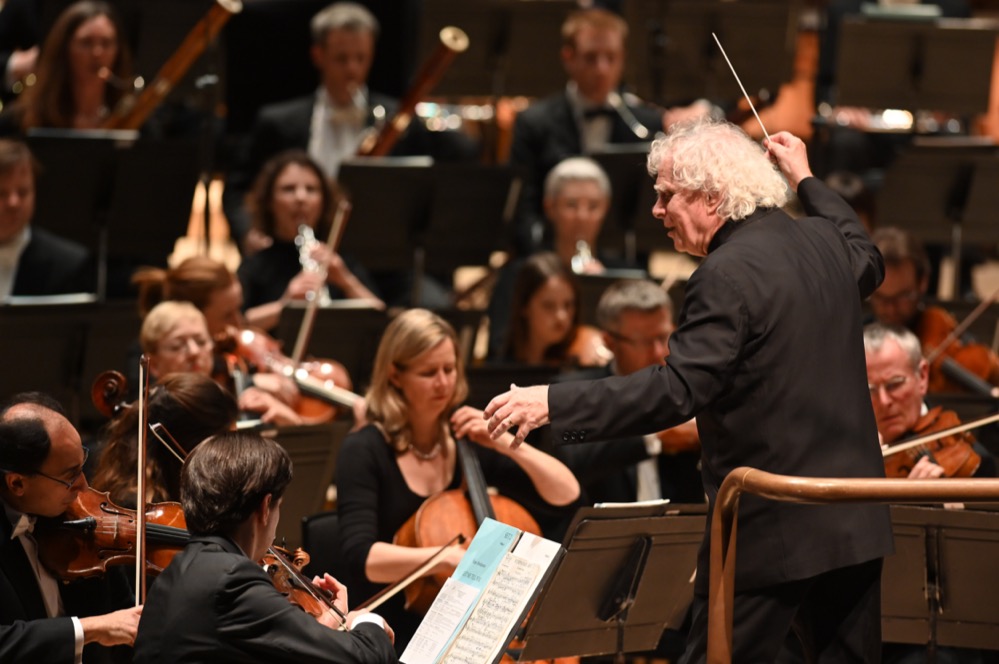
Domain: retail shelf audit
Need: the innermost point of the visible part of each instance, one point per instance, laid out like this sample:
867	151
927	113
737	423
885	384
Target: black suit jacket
215	605
544	134
52	265
769	356
27	634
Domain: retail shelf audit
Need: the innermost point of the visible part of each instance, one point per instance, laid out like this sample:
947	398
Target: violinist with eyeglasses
41	475
898	377
214	603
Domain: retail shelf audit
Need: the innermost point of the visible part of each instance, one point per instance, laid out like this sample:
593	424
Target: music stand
347	331
488	380
672	58
592	287
978	223
313	450
638	561
391	202
917	64
632	197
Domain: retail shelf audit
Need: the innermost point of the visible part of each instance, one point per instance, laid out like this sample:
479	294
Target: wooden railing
721	585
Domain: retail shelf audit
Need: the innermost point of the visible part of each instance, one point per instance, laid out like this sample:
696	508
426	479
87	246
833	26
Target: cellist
898	377
407	454
900	300
41	474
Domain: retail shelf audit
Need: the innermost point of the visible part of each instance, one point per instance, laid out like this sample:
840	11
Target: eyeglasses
178	346
890	386
905	297
661	339
66	483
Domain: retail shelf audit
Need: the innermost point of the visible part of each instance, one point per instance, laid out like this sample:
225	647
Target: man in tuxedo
214	603
636	318
769	357
582	119
41	474
33	261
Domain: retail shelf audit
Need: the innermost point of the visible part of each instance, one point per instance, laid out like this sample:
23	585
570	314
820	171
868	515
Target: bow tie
599	112
24	525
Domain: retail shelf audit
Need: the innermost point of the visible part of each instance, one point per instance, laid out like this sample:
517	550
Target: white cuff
653	446
372	618
78	632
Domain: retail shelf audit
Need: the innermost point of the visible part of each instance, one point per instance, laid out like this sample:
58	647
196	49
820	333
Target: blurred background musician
898	377
175	337
577	196
73	88
33	261
19	39
191	406
407	454
901	301
290	191
544	325
636	319
41	619
214	602
587	116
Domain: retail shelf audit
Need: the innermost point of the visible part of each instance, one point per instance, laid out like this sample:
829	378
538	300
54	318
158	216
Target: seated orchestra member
407	454
191	407
83	51
331	123
584	118
174	335
636	318
577	197
900	300
292	191
898	377
214	602
33	261
544	325
41	474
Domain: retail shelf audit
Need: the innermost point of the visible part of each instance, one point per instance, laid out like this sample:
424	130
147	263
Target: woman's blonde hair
161	319
407	337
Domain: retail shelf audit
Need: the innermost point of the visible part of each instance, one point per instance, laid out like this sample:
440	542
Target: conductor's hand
523	407
789	153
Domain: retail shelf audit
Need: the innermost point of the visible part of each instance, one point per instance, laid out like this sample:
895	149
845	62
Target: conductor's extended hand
523	407
791	156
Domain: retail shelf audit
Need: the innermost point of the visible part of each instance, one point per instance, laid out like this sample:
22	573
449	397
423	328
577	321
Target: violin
952	451
94	533
285	572
936	332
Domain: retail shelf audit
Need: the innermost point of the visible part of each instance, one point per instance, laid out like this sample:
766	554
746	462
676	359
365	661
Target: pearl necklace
426	456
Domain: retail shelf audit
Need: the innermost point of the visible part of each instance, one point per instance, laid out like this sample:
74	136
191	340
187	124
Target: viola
285	572
935	331
94	533
951	451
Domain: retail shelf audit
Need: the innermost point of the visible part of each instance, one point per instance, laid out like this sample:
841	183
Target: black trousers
835	617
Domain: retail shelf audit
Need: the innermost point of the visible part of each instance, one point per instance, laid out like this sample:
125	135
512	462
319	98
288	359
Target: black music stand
313	450
488	380
978	223
391	203
592	287
629	226
941	66
673	59
347	331
638	561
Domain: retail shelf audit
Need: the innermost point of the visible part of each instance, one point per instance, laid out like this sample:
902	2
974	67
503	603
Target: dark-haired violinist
41	474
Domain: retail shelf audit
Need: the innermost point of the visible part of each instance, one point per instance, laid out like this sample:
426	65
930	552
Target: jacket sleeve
865	259
48	640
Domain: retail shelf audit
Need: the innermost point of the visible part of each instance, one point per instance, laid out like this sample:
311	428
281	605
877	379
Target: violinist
901	301
191	407
41	474
214	603
175	337
636	318
407	454
898	377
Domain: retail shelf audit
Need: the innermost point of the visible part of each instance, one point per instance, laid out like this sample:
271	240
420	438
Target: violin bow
922	440
962	327
309	319
307	585
140	488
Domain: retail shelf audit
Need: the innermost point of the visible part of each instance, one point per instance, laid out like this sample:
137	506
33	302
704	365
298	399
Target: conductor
769	357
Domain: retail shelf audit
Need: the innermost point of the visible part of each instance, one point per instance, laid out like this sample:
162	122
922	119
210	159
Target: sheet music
442	620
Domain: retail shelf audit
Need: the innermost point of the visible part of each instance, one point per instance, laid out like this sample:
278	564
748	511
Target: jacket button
565	436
